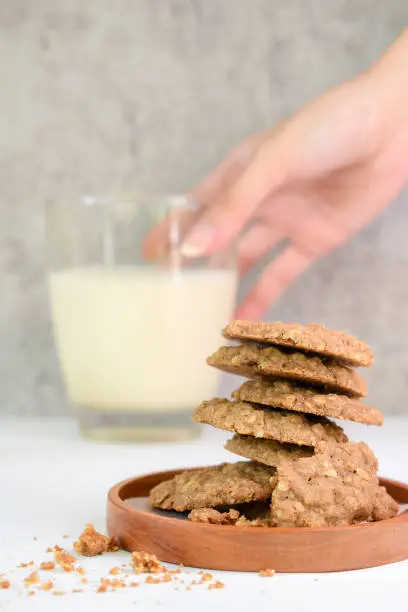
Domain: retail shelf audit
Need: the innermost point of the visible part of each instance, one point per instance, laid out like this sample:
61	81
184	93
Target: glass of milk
133	320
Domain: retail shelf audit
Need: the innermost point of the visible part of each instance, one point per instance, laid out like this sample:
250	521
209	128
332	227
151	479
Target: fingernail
190	250
198	242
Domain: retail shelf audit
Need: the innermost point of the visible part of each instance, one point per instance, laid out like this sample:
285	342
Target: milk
136	339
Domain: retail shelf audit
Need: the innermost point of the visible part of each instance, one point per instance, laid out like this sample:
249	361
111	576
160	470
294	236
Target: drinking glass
133	319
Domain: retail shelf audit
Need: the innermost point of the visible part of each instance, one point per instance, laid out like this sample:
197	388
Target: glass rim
170	200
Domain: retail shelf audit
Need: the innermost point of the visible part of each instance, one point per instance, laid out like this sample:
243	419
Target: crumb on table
64	560
47	566
4	584
144	562
267	573
91	543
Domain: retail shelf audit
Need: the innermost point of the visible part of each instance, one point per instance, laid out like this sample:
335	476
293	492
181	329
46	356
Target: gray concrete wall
108	95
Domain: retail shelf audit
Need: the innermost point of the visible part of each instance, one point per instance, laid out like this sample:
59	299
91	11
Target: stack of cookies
302	469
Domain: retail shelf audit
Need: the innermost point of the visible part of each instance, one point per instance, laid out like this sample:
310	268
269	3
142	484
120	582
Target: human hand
314	181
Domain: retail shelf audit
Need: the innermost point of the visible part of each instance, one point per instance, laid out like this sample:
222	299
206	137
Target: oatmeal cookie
268	452
292	396
219	485
255	360
263	422
314	338
337	486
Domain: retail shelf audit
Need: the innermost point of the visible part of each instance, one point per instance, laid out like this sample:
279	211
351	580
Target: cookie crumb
26	564
91	543
84	580
134	584
114	584
31	592
64	560
216	585
80	570
267	573
212	516
5	584
66	536
58	593
113	546
47	566
144	562
77	590
35	538
103	587
49	549
114	571
207	577
31	579
47	586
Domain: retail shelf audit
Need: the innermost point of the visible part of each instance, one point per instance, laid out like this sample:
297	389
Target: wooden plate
324	549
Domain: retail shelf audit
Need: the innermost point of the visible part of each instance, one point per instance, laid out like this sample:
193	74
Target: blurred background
103	96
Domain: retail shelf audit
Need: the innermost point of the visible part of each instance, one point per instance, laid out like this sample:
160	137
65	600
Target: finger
275	279
157	243
225	218
255	244
230	169
168	234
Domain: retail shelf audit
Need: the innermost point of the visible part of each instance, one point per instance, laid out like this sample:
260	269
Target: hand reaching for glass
312	182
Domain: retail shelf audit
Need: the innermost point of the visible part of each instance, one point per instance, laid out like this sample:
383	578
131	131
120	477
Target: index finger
231	210
157	242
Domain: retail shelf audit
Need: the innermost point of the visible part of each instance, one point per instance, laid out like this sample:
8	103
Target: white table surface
53	482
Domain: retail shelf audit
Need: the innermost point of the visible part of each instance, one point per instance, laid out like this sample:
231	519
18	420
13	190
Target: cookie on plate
219	485
313	338
338	485
256	360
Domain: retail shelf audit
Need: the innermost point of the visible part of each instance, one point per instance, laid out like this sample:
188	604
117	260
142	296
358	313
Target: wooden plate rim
115	499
